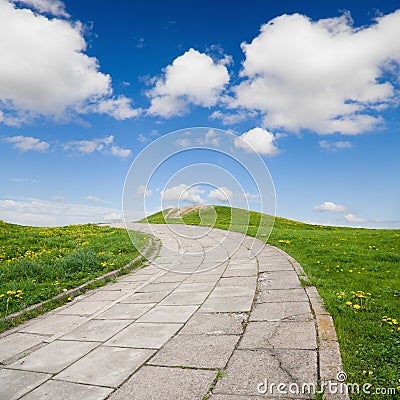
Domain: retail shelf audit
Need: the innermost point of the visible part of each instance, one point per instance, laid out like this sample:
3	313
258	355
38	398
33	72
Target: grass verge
37	264
356	272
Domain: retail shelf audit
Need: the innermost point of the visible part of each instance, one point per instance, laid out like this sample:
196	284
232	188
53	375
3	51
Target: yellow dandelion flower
357	306
349	303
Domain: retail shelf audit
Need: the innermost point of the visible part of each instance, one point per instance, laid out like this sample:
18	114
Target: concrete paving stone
330	360
149	297
281	280
202	277
54	357
126	311
105	366
195	287
276	266
97	330
106	295
244	281
288	311
184	298
52	324
249	368
240	272
227	304
281	295
155	383
246	264
168	278
196	351
68	391
17	343
14	383
230	291
326	327
84	308
215	324
138	278
279	335
178	314
159	287
144	335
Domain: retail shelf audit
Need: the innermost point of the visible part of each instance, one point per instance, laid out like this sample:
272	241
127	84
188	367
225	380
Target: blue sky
312	86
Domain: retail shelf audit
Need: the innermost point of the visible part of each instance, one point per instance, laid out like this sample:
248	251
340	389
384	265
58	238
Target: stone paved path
163	332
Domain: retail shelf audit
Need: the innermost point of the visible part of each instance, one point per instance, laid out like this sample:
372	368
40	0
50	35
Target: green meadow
356	272
37	264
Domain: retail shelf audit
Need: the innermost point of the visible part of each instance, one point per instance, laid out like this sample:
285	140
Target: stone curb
330	361
149	253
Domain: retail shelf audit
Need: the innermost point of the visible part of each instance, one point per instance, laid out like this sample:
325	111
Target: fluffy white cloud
192	78
232	119
329	206
352	218
52	213
333	146
258	139
183	192
45	72
326	76
103	145
221	194
25	143
53	7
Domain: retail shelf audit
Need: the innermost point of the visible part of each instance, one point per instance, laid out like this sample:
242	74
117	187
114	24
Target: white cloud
101	145
113	217
183	192
352	218
258	139
221	194
93	199
333	146
252	197
329	206
192	78
183	142
54	213
45	72
232	119
143	190
24	180
53	7
326	76
25	143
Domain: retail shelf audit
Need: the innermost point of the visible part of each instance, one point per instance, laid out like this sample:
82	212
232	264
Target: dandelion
349	303
357	306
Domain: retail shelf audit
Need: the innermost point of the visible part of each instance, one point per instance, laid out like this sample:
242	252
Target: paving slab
247	369
184	298
14	383
106	295
144	335
178	314
215	324
67	391
126	311
288	311
196	351
97	330
105	366
149	297
54	357
279	335
280	295
17	343
227	304
84	308
155	383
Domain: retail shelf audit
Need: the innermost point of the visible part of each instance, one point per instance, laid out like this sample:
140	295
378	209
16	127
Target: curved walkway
206	304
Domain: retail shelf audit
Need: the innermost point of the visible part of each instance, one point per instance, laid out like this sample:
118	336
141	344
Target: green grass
340	261
38	263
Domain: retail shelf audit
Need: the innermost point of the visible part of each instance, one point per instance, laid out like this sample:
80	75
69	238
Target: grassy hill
356	271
